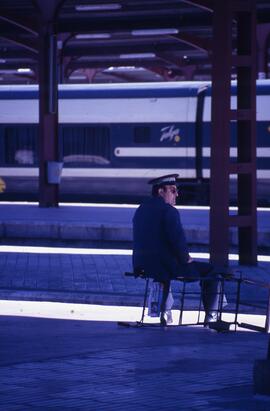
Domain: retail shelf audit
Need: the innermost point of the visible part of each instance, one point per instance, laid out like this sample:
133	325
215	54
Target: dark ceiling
116	40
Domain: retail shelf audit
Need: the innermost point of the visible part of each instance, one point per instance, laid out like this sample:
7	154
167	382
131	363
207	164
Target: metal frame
266	327
219	325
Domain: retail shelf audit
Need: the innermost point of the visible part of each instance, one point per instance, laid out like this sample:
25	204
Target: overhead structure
119	41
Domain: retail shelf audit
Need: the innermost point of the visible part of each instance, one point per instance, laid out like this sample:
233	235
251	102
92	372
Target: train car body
113	138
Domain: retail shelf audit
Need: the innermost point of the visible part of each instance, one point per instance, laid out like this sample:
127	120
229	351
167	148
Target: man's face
169	194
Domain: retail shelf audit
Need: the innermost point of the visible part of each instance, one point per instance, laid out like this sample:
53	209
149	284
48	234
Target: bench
219	325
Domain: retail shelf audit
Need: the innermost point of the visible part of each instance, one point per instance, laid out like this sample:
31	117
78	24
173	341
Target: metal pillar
245	60
48	101
48	117
225	14
220	145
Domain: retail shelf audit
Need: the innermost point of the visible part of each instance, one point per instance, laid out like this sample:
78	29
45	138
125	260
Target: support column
220	143
48	99
243	13
63	60
48	115
246	134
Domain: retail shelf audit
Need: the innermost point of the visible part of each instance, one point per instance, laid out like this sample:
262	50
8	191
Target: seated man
160	247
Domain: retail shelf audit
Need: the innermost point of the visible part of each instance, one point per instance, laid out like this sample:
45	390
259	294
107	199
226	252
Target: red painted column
48	99
240	15
246	133
220	137
48	114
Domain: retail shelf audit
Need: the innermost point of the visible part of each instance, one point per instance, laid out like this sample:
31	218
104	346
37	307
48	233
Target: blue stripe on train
106	93
148	162
262	129
262	163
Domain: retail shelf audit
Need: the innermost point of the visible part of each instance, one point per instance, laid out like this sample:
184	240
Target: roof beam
194	41
171	59
92	24
202	4
25	43
161	59
18	64
113	62
14	52
110	47
15	21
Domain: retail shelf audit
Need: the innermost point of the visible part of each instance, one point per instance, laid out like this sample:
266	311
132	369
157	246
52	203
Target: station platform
61	347
105	223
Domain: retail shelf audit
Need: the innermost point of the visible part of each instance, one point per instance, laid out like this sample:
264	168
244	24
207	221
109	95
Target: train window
86	145
142	135
20	145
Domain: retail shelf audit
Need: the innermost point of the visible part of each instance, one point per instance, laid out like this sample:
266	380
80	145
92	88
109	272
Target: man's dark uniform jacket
160	247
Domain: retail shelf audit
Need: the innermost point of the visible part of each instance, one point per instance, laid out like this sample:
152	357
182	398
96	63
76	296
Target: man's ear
160	191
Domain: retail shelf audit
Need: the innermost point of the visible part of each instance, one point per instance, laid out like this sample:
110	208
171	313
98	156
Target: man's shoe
219	326
163	322
213	323
210	318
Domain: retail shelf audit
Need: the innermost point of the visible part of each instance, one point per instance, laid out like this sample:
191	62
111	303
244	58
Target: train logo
170	133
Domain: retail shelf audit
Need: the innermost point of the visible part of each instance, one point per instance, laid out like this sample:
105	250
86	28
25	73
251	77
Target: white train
114	137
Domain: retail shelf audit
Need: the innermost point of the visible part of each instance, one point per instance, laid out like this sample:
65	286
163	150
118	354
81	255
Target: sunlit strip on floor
91	312
62	250
113	205
99	251
97	205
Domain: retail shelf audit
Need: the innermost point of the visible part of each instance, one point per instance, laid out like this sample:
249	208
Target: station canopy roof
105	41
